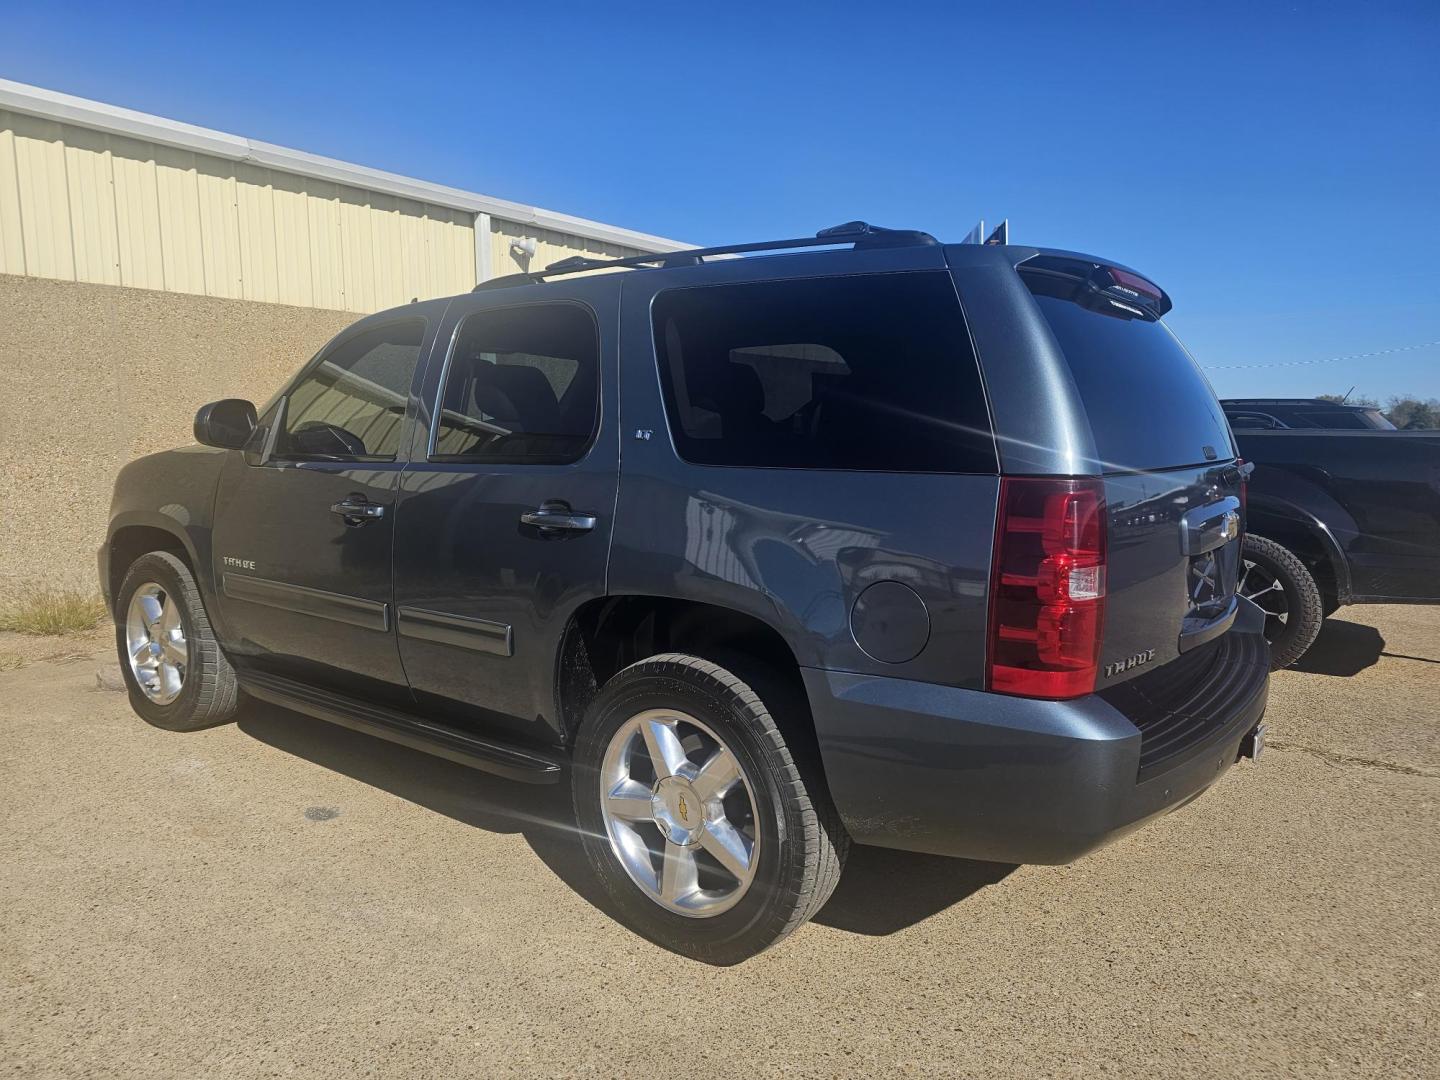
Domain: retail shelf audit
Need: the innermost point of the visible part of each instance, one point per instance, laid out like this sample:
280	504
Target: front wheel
1275	579
711	835
177	675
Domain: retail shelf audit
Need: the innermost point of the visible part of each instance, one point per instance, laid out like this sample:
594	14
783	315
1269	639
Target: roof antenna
1346	398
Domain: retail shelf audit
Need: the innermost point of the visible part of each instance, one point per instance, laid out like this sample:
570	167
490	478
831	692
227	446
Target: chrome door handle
553	518
358	511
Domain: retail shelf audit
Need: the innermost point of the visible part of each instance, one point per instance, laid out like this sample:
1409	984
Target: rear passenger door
505	515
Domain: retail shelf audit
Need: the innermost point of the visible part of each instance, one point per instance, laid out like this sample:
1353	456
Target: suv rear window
871	372
1148	404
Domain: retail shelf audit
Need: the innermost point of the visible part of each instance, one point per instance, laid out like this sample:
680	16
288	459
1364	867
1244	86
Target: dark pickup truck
1335	518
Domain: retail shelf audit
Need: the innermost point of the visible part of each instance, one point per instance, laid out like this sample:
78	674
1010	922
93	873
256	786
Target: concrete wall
94	375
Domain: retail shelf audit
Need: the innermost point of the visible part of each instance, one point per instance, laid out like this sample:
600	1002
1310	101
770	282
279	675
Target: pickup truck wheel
176	673
1276	580
706	832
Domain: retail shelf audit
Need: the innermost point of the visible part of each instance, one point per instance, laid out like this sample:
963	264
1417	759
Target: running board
527	766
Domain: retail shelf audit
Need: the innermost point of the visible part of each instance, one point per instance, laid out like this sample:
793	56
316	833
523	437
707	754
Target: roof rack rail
860	234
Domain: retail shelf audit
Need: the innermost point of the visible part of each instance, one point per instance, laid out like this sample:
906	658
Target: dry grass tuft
10	661
53	611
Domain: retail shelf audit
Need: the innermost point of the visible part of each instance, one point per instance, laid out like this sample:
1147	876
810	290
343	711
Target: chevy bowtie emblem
684	810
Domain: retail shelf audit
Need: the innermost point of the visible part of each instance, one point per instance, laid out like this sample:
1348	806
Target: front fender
171	492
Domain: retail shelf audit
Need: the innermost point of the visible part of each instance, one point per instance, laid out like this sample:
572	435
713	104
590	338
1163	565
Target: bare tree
1411	414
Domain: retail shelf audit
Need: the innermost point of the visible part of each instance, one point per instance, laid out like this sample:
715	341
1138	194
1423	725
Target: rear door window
1148	404
871	372
522	387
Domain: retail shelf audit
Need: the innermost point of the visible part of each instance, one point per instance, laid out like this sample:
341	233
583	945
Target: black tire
1279	582
209	693
802	844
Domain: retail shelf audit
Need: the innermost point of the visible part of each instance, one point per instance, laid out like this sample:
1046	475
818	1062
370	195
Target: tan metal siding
12	242
90	193
39	165
85	205
97	206
550	247
137	214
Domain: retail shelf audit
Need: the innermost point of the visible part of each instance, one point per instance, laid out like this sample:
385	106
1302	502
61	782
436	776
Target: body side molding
481	635
353	610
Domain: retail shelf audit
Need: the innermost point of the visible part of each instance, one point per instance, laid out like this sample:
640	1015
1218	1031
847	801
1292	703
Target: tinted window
522	386
869	373
1296	418
1352	419
1378	420
352	404
1148	404
1252	420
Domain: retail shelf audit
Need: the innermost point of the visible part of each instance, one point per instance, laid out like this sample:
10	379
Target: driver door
304	528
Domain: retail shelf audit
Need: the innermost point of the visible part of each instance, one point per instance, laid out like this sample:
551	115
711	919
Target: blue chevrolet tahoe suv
858	538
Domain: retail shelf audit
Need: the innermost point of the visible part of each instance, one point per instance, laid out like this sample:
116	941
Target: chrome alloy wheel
155	643
686	834
1260	585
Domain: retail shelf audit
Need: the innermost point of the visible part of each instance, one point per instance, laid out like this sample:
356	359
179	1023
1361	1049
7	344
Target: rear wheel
178	677
710	835
1279	583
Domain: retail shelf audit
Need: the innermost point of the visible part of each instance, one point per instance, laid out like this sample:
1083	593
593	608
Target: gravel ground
284	898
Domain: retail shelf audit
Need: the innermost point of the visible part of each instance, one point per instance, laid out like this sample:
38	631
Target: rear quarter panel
796	548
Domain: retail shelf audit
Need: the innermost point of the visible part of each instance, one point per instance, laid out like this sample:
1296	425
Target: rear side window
522	386
352	403
1148	404
871	372
1253	420
1350	419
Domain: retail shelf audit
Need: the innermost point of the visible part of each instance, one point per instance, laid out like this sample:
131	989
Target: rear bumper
960	772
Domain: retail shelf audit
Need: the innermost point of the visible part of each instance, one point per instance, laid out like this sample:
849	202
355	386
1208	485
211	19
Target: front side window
870	372
351	405
522	386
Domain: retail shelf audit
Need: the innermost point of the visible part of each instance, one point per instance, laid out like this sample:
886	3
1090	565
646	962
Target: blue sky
1275	167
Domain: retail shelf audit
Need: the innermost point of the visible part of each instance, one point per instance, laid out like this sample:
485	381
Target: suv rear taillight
1047	593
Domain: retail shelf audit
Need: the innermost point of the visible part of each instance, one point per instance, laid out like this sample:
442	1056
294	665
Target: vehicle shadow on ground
883	891
1343	649
870	900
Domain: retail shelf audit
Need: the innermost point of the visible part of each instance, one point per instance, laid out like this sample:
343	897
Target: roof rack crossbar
856	233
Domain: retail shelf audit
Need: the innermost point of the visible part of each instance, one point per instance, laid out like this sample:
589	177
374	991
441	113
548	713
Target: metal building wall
84	205
550	246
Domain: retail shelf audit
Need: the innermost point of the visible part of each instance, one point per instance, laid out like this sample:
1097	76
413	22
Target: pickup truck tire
1276	579
208	693
776	800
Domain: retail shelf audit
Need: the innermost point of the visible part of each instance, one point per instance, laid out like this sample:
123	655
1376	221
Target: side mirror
227	424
